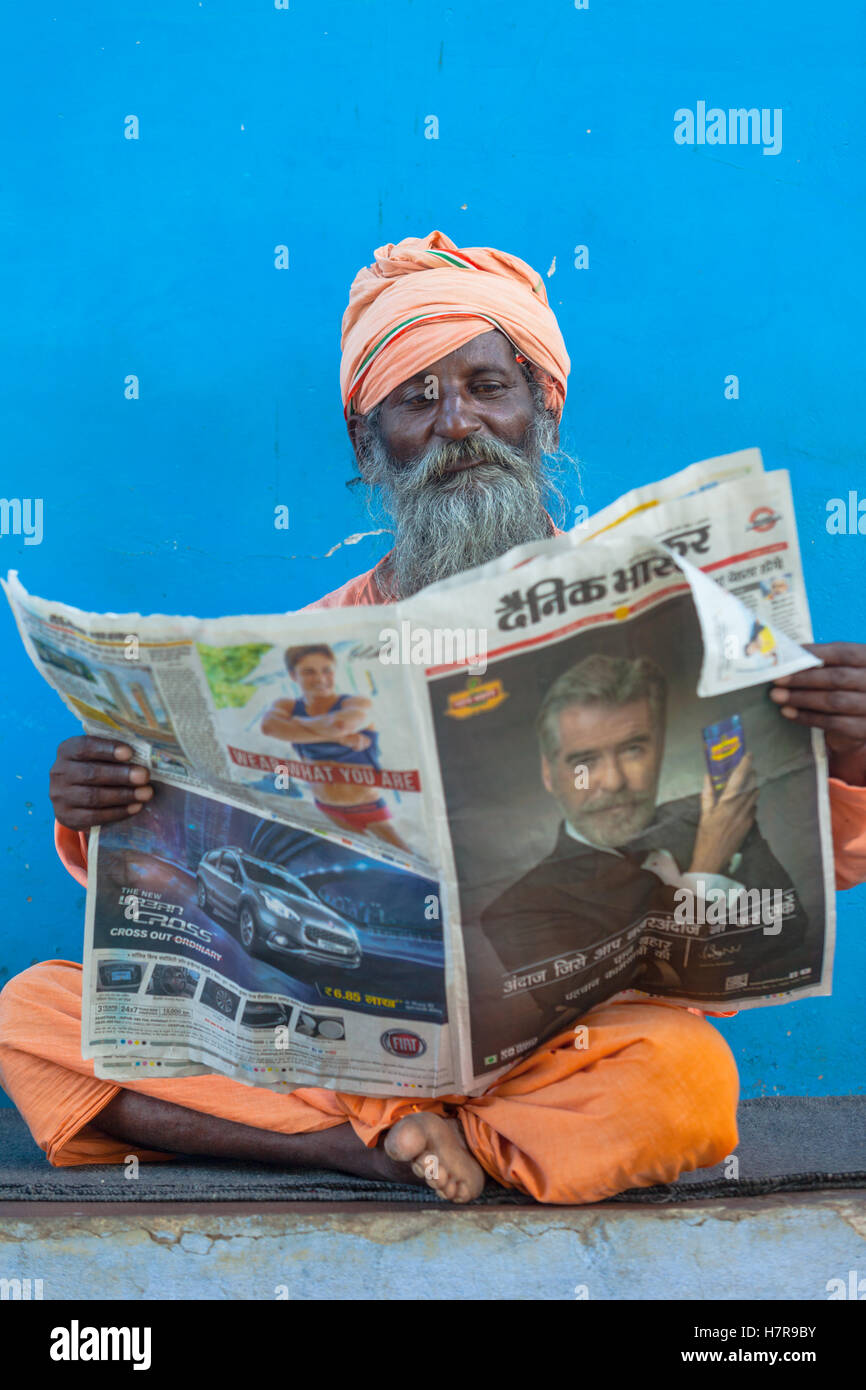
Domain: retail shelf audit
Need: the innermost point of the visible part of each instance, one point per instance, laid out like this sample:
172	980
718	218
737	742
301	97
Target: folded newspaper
397	847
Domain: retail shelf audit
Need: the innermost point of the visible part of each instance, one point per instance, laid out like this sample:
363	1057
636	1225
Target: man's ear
546	775
357	426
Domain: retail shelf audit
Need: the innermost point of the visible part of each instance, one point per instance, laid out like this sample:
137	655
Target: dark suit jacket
580	896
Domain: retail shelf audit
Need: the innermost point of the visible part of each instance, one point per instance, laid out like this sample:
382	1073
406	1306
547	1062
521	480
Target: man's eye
488	387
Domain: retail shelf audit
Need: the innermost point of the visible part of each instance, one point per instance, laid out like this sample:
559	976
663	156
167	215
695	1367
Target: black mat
787	1144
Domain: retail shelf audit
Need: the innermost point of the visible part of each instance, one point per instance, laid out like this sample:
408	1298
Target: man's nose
457	416
609	776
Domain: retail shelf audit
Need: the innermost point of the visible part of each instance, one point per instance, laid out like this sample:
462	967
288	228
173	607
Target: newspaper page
584	859
388	851
273	913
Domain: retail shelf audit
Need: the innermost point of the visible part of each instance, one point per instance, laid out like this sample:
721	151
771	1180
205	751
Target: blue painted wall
306	127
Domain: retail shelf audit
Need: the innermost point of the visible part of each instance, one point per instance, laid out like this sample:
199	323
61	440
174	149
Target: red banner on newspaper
335	774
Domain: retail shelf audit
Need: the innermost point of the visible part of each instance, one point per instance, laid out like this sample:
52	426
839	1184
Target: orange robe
653	1095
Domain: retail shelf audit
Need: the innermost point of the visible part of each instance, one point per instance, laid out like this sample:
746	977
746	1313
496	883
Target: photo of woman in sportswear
325	726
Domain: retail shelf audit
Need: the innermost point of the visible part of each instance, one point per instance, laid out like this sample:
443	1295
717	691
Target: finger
90	797
101	774
750	789
824	701
732	793
83	820
834	723
734	801
708	796
834	655
823	678
89	749
838	653
739	775
104	774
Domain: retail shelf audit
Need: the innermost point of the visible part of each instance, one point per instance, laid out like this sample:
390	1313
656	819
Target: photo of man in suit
619	855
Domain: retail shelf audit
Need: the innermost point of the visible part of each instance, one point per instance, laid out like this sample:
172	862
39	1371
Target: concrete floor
783	1247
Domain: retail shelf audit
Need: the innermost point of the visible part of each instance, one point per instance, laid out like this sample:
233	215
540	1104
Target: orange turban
424	298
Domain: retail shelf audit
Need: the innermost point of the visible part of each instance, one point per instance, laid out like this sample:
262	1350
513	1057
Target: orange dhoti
652	1095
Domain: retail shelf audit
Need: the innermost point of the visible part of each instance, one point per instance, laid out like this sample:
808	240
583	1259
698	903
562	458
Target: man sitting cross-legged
453	379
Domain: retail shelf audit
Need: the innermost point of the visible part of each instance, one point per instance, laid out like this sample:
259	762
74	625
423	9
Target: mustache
615	803
434	464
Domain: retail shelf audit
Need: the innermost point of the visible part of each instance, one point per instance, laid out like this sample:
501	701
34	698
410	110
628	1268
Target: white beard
447	523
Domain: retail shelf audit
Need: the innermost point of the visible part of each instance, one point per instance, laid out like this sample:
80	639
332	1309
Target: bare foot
436	1150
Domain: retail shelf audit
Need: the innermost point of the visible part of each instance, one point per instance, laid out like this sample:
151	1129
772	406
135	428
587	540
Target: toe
405	1141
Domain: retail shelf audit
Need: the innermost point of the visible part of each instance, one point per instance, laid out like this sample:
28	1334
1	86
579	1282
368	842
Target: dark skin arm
832	697
94	781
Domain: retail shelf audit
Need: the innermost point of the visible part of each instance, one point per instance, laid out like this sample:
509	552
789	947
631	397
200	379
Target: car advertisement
267	951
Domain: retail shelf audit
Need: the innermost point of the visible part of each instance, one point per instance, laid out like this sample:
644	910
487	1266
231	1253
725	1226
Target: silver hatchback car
272	911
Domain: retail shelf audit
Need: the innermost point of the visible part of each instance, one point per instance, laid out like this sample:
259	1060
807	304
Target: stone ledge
781	1247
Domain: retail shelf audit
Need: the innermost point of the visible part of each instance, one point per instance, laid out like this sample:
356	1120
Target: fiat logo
402	1043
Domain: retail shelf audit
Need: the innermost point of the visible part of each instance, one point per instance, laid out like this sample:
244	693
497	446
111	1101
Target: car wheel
247	925
202	895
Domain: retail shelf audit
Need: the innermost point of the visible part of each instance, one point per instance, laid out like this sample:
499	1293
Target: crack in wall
594	1230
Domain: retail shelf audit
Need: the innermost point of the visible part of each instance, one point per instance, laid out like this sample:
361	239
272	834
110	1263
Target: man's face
480	393
620	748
456	453
315	674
